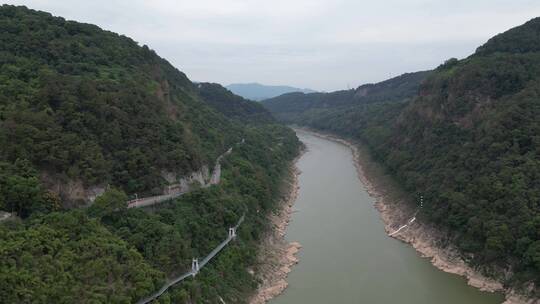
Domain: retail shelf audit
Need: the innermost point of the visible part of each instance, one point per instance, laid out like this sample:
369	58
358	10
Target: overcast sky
318	44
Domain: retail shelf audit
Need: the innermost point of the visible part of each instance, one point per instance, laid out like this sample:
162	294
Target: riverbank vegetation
467	139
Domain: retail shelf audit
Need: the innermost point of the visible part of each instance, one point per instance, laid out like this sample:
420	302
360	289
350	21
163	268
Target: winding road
153	200
149	201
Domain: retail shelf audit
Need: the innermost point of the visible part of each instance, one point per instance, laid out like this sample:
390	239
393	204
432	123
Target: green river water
347	256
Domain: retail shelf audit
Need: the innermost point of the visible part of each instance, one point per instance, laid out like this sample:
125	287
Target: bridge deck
191	273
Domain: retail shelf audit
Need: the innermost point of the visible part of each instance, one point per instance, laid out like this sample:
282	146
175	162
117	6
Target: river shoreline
276	256
425	239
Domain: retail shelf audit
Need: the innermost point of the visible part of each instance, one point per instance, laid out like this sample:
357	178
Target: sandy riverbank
276	256
428	241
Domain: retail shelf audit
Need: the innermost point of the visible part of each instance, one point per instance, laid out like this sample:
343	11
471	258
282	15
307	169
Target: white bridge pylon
194	267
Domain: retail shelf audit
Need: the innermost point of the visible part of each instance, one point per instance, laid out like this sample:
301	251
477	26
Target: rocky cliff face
184	183
72	193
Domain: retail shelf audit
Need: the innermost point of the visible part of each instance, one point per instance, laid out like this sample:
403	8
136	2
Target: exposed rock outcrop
276	256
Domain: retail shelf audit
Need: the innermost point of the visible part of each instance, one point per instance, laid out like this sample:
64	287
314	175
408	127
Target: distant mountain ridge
297	106
257	91
233	106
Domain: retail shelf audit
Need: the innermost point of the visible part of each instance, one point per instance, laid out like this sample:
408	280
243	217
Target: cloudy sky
319	44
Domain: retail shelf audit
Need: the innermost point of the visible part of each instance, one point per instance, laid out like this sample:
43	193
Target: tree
112	200
532	255
23	195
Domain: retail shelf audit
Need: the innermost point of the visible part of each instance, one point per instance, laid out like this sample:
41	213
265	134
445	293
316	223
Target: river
347	256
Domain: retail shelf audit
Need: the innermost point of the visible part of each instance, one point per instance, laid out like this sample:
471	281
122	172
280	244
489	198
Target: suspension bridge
196	266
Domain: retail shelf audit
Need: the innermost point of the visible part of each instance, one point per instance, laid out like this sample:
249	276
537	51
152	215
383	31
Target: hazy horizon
321	45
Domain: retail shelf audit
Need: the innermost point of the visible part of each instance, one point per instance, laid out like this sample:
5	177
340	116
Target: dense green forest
233	106
78	103
110	254
294	107
468	139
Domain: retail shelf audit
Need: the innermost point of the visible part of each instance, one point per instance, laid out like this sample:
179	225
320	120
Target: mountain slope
233	106
293	106
469	142
82	109
256	91
87	108
522	39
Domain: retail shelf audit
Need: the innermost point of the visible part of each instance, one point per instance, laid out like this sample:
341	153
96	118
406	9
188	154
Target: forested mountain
87	107
256	91
233	106
469	141
288	107
84	108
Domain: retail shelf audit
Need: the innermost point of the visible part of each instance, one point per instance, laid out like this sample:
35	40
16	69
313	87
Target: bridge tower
194	267
232	233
